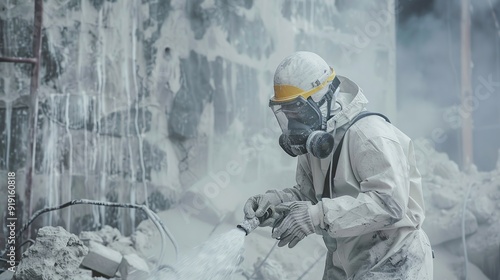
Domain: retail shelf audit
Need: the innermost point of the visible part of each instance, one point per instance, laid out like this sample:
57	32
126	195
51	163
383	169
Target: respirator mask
304	121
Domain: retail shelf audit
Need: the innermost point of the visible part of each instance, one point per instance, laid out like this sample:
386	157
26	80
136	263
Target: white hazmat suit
372	223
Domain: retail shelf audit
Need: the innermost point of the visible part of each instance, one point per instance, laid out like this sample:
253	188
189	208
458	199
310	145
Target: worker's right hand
258	206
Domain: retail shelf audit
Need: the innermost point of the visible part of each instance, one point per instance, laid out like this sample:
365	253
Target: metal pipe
249	225
35	73
466	86
18	60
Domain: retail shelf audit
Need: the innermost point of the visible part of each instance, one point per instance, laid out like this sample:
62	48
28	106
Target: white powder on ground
218	259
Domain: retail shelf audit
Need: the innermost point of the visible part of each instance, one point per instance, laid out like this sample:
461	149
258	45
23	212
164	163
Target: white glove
301	218
262	205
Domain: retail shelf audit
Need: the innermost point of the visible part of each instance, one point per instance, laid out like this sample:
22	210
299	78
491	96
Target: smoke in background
429	75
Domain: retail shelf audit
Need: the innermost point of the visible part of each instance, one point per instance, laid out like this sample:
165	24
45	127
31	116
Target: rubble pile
445	191
56	255
105	254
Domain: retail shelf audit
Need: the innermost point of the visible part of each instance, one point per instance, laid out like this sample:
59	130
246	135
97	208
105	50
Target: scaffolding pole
466	86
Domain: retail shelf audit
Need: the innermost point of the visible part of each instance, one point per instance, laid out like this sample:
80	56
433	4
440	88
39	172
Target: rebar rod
18	60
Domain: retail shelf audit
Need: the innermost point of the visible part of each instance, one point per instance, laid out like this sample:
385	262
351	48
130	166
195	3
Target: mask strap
332	88
328	97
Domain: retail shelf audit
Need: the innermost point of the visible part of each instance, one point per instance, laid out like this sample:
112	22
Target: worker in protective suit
357	181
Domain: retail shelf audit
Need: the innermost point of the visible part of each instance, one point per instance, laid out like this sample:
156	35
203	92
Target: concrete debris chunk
102	259
444	199
447	225
141	239
483	208
84	271
56	255
84	274
86	236
446	168
124	245
134	267
109	234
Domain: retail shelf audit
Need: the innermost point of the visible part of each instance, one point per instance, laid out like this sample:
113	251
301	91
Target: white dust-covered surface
445	187
193	234
217	258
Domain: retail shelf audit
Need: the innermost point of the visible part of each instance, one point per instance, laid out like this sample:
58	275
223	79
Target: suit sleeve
381	168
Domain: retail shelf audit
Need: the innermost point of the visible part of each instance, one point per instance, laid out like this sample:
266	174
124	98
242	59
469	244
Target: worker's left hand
301	218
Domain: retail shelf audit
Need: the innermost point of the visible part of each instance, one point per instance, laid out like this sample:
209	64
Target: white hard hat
302	74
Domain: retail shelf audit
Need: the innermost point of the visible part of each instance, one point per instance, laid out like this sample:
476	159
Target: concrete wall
138	98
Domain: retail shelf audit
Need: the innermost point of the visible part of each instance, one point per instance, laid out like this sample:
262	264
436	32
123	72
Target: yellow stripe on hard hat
288	92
